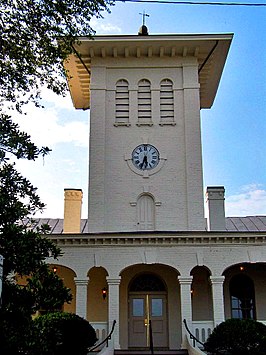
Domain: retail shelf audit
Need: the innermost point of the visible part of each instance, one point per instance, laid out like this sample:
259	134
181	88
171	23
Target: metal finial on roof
143	14
143	31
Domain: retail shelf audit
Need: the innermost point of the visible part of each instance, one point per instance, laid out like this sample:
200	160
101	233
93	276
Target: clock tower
145	94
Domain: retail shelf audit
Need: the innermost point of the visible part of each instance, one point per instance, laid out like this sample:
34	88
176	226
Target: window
122	102
138	307
242	297
144	102
166	101
146	283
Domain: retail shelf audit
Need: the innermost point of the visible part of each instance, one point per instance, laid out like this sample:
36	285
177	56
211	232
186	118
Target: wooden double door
143	308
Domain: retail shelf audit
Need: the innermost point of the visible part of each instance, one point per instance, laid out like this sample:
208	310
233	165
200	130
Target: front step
148	352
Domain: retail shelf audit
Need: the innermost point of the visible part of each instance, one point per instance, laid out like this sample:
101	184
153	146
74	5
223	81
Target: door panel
142	309
159	320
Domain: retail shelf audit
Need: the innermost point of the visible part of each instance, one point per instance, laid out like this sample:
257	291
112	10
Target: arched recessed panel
145	213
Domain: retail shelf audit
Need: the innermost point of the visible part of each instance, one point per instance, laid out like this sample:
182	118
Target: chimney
215	208
72	210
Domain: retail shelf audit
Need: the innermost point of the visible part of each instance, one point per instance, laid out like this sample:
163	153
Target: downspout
208	56
81	60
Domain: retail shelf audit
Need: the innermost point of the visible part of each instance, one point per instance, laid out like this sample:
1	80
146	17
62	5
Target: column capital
81	282
217	279
113	280
185	280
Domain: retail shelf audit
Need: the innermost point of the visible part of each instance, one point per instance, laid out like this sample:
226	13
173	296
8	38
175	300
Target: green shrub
61	333
237	337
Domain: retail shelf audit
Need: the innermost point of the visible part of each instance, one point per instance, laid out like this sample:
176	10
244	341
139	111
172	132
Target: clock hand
145	161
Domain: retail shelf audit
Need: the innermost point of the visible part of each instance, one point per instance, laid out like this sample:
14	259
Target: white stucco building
146	240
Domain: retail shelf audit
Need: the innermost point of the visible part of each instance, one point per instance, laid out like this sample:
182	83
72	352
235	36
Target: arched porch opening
97	310
201	302
242	297
201	293
150	292
67	275
97	301
147	294
245	290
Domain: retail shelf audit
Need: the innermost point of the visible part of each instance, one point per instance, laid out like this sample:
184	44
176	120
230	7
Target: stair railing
192	336
151	338
106	340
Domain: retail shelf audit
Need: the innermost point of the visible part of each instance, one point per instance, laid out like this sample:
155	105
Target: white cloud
58	101
45	128
250	201
104	27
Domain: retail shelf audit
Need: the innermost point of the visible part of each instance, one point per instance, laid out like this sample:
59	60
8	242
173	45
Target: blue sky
233	130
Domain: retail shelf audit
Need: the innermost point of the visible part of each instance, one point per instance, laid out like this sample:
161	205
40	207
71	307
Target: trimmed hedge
237	337
62	333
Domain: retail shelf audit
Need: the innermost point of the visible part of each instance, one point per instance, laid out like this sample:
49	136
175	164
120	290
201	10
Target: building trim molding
160	239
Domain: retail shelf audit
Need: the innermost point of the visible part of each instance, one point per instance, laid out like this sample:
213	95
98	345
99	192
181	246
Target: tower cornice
209	50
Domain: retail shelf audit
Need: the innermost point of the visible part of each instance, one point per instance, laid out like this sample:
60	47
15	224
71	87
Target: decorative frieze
140	239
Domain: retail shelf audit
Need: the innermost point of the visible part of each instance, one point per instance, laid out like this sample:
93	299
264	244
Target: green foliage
237	337
48	290
36	36
30	53
62	334
25	251
23	248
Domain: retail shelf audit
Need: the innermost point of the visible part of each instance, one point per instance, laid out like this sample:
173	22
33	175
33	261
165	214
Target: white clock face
145	157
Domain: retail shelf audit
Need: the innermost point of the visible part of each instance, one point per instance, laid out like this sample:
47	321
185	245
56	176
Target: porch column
185	301
113	308
217	299
81	297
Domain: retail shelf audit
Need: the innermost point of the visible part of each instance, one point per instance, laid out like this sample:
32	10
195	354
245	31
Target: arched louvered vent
144	102
166	101
122	102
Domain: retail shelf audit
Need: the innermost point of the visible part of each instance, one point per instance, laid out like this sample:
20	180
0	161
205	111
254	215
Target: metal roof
233	224
246	224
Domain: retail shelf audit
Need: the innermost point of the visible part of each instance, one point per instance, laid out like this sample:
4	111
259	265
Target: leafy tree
36	36
237	337
25	250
